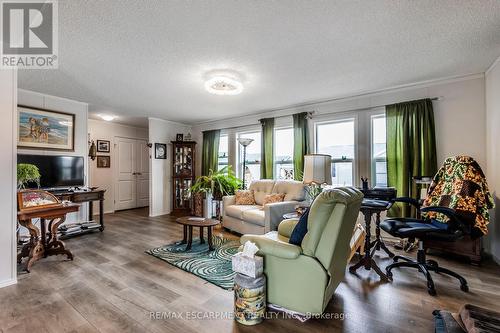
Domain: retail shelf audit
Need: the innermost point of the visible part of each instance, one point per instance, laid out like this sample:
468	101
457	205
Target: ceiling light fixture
222	85
107	117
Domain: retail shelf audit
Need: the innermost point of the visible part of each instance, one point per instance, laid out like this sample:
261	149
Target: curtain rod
313	112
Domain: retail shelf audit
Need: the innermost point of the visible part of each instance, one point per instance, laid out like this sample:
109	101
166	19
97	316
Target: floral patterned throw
460	184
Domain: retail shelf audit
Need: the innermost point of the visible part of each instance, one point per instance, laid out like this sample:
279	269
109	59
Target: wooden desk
88	196
39	245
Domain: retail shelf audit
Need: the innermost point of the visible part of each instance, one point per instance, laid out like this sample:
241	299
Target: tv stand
84	196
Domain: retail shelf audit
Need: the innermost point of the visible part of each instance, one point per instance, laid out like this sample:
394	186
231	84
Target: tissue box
253	267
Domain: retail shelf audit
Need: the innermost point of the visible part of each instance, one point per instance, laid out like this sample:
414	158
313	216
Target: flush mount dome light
107	117
221	85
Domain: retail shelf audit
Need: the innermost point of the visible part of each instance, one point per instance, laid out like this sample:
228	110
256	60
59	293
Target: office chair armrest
449	212
408	200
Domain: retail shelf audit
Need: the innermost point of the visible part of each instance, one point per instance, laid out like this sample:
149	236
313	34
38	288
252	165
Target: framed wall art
103	161
45	129
103	146
160	151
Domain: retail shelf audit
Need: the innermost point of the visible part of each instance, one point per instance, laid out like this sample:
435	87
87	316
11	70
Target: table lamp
317	172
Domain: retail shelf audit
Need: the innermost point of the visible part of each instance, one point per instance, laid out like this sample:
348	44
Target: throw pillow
245	197
300	230
272	198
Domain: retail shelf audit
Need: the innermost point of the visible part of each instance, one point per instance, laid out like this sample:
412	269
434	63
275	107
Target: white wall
104	177
160	190
460	115
80	110
493	152
8	102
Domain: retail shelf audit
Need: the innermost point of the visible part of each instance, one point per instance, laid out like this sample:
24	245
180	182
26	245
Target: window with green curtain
411	148
267	148
300	143
210	151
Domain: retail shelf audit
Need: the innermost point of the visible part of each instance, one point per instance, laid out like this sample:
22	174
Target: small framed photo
161	151
103	161
103	146
179	137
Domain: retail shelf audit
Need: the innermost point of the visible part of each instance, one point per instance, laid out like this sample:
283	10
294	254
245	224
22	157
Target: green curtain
411	148
210	151
267	149
300	143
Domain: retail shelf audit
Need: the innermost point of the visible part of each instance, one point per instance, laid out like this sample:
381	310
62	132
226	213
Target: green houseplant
27	173
218	183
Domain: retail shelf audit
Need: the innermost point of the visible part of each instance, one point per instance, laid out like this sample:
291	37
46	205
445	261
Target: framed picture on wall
103	162
160	151
45	129
179	137
103	146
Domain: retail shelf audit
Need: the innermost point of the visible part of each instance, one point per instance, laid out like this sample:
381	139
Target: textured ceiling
149	58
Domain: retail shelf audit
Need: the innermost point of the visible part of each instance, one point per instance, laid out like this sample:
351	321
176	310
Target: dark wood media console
85	196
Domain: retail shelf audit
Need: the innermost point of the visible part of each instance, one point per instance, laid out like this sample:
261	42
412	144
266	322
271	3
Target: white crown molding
169	121
346	98
493	65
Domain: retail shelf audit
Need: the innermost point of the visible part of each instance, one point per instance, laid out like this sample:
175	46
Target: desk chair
427	229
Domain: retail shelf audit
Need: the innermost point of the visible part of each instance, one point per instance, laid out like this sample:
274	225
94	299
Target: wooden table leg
91	211
210	243
34	250
55	246
190	238
101	214
202	240
184	234
43	235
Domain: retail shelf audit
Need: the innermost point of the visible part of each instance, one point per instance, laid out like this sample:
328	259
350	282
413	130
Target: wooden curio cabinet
183	169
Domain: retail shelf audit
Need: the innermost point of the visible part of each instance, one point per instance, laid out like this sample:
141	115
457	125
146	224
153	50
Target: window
223	151
337	139
283	153
252	156
378	158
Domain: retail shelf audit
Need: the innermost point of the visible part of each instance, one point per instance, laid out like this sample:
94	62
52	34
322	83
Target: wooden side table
40	245
188	222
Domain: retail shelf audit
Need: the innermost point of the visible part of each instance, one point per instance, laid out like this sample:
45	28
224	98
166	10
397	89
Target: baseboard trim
8	283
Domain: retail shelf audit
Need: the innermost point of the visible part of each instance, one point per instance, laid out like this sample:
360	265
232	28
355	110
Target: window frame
375	113
219	164
239	150
275	161
340	118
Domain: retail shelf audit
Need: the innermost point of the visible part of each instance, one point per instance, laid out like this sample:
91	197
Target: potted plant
216	185
27	173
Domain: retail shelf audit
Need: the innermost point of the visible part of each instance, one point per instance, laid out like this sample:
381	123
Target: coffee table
188	222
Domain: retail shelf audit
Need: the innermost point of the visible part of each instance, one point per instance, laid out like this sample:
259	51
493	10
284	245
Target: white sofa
252	219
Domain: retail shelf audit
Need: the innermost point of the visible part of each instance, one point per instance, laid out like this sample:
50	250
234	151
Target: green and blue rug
212	266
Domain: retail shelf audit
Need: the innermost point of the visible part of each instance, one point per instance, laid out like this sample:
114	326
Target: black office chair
426	229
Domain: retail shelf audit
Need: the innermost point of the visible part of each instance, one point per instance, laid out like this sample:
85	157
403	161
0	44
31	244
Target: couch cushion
261	188
236	211
244	197
294	190
255	216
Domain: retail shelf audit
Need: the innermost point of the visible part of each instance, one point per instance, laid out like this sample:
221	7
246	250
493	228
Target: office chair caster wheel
432	263
464	288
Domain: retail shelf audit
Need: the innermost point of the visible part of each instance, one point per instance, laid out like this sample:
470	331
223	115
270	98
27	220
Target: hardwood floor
113	286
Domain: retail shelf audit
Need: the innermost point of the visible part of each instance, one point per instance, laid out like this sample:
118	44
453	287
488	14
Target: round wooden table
188	222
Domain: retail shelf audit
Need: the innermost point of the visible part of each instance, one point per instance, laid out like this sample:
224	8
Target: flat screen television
56	171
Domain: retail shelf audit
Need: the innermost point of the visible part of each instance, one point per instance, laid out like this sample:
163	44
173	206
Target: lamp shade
245	141
317	169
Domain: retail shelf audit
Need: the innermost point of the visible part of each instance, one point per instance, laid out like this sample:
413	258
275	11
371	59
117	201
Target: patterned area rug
213	266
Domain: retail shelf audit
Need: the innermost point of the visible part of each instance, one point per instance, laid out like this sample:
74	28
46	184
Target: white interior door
142	173
126	184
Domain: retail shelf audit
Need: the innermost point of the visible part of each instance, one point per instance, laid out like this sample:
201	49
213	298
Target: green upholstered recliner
304	278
